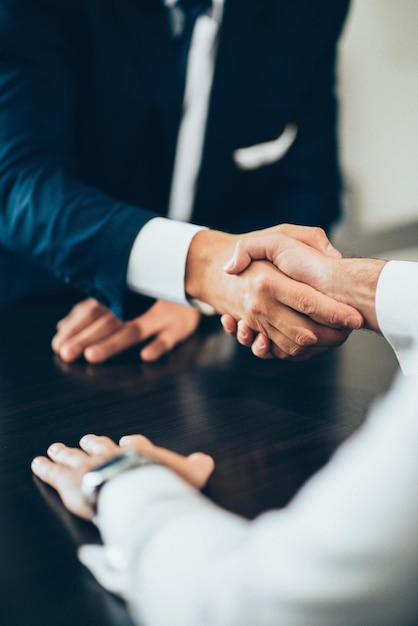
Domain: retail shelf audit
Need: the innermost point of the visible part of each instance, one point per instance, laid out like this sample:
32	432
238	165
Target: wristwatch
94	480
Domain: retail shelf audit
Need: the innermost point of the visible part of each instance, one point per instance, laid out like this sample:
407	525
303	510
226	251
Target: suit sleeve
48	215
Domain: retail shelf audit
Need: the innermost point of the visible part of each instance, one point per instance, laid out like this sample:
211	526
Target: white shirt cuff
397	311
157	262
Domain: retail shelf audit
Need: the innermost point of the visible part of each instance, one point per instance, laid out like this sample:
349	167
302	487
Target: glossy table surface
268	424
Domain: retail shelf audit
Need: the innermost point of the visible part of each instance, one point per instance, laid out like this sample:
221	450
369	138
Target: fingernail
86	438
353	322
54	447
125	440
150	354
202	458
95	354
68	353
36	463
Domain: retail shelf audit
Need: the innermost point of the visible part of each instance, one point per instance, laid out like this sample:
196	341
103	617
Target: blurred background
378	90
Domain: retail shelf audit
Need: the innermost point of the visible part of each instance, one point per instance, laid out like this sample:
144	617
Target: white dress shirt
344	552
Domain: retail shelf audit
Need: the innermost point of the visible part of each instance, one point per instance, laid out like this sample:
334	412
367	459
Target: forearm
325	560
49	213
355	284
76	232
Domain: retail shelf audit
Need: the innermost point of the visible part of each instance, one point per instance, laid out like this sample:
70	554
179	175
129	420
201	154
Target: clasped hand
273	289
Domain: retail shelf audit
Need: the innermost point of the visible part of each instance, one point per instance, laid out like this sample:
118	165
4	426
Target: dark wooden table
268	424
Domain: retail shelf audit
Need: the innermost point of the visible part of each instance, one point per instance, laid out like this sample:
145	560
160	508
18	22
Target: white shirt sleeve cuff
157	262
397	311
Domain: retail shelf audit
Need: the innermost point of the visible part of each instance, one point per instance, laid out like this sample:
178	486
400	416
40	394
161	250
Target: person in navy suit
91	106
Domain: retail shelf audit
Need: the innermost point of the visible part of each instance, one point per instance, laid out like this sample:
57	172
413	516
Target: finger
48	471
70	457
243	254
168	338
80	317
261	347
229	325
122	339
167	315
303	338
269	242
312	236
95	445
277	287
106	325
163	344
200	467
195	469
66	481
245	334
319	307
308	353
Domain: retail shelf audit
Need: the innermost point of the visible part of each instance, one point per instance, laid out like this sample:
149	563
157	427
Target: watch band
94	480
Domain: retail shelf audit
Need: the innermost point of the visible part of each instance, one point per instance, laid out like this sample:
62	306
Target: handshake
286	291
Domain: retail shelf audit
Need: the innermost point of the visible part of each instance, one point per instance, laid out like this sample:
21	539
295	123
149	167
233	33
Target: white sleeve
157	262
344	552
397	311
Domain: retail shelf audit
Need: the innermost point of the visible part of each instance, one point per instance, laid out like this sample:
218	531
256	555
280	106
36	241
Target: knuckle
95	309
297	351
251	303
333	318
255	299
318	235
110	322
133	329
303	339
284	228
306	304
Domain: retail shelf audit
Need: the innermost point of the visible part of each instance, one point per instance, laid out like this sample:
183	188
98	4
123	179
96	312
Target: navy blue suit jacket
90	103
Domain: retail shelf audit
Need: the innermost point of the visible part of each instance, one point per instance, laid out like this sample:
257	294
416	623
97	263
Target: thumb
245	251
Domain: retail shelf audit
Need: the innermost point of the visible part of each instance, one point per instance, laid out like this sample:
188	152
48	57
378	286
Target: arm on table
325	560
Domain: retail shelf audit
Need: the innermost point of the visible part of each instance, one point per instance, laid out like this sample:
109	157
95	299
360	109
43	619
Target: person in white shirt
343	551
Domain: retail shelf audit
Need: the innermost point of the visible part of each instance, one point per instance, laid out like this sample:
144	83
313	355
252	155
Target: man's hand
92	331
297	319
269	244
65	467
351	281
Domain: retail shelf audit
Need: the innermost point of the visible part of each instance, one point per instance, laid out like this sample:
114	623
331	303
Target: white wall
378	88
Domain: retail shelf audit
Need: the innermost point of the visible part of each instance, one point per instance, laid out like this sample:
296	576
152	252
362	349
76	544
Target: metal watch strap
94	480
